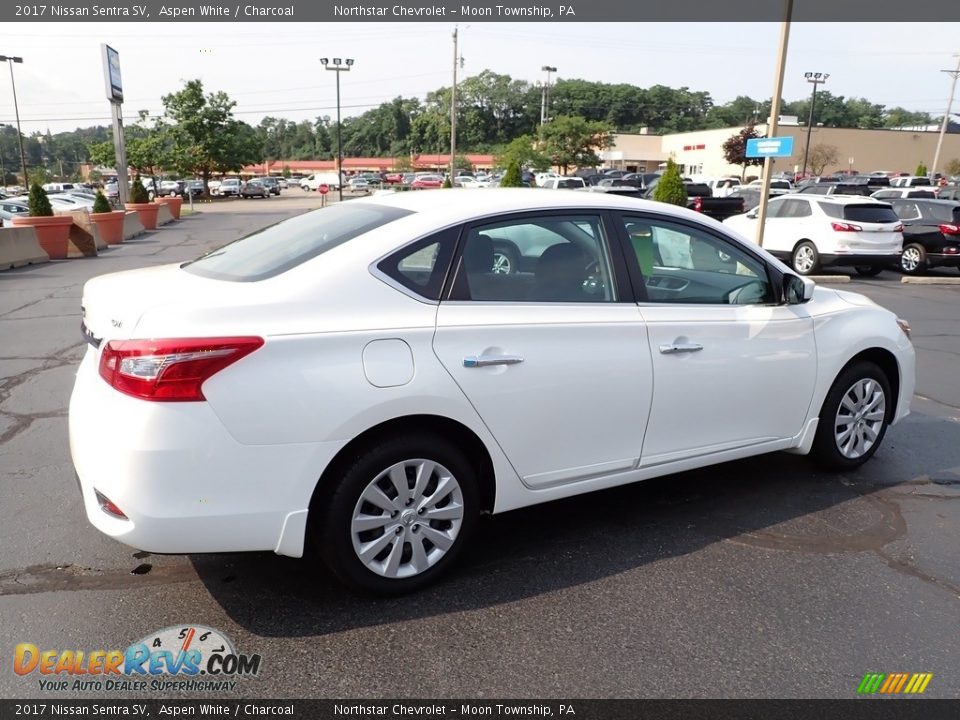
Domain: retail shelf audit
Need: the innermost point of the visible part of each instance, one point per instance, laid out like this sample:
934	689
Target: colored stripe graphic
894	683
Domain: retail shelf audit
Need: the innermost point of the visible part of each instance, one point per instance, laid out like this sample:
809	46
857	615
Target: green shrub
39	203
670	187
512	177
138	193
447	183
921	170
101	204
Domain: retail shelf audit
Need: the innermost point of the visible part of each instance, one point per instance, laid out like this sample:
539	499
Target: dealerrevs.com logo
186	657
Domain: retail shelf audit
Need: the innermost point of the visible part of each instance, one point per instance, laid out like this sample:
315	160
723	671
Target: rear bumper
854	258
942	260
184	483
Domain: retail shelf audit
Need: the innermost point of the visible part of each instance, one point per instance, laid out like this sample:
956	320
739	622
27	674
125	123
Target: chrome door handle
472	361
674	348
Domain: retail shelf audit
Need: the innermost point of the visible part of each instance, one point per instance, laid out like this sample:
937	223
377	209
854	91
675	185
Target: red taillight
698	204
845	227
108	506
170	370
950	229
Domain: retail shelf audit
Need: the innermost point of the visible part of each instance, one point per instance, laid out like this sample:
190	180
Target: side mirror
797	290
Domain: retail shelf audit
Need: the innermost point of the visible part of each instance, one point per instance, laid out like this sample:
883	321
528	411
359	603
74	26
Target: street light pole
545	100
816	79
23	158
338	68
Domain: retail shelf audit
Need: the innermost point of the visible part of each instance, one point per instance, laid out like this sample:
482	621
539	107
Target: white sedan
360	380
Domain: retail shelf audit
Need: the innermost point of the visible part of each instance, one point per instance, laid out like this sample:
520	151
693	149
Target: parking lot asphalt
757	578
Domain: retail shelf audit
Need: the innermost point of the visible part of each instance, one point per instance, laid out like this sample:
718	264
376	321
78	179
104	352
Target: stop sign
324	189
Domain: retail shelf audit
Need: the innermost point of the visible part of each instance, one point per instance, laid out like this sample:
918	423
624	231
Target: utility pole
453	109
545	99
774	121
946	118
816	79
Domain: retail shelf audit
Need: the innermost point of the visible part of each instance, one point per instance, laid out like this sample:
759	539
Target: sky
274	69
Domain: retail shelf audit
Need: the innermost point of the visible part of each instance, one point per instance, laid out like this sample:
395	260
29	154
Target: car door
552	355
732	368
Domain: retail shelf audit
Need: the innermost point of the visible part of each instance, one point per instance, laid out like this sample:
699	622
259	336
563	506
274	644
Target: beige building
701	152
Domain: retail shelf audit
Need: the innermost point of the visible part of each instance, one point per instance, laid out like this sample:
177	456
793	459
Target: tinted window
536	259
816	189
906	210
919	181
942	213
283	246
569	183
927	194
870	213
795	209
422	266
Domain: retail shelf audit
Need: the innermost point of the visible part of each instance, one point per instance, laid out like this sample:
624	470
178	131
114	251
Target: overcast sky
274	68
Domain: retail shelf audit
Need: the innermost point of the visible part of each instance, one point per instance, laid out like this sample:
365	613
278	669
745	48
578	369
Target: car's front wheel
806	259
400	514
854	417
913	260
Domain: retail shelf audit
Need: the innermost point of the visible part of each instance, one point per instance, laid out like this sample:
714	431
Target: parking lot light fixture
816	78
338	67
10	60
545	98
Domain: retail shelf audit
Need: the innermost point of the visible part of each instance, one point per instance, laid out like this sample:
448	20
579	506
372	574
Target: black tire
913	259
826	448
868	270
335	511
802	250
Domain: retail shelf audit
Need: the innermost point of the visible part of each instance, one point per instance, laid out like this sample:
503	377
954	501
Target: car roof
460	207
837	199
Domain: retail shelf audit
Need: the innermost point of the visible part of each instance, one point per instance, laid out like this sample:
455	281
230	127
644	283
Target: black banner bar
453	11
853	709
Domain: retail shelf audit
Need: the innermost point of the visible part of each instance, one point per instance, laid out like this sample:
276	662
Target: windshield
278	248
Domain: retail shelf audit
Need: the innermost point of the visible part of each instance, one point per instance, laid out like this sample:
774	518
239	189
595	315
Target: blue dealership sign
770	147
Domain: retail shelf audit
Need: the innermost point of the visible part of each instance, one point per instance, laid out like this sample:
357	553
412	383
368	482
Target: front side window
682	264
536	259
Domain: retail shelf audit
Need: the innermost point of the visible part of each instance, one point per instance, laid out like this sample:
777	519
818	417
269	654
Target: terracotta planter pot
147	212
109	225
173	202
53	233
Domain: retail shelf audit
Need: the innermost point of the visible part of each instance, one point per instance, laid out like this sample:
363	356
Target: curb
908	280
830	278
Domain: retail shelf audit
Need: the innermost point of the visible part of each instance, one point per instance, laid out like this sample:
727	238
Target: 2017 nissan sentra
362	381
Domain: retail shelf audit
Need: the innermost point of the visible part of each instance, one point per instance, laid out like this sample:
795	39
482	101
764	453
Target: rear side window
870	213
421	267
943	213
919	181
278	248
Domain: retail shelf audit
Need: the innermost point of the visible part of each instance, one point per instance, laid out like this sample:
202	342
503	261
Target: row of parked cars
76	197
810	231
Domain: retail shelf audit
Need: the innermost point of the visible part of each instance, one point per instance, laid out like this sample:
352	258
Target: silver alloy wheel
860	418
803	259
501	264
910	259
407	518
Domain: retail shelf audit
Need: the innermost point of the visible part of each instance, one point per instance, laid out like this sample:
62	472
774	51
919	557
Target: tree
670	188
204	136
512	177
953	167
38	202
102	154
572	141
286	171
921	170
138	193
735	149
523	151
822	155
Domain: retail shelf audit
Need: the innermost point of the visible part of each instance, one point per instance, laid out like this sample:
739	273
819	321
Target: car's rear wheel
854	417
806	259
400	514
913	260
868	270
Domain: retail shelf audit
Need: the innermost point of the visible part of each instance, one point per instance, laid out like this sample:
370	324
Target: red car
426	181
393	178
